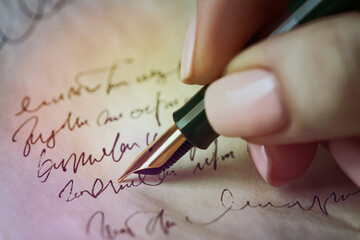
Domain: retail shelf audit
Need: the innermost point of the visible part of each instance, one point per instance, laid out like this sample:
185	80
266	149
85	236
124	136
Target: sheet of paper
84	87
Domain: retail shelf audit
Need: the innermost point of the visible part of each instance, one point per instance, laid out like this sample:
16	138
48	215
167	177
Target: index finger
221	29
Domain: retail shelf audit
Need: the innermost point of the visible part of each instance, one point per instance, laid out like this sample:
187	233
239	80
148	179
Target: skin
318	84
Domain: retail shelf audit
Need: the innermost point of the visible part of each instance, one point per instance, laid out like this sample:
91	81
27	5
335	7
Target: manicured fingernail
188	51
347	154
246	104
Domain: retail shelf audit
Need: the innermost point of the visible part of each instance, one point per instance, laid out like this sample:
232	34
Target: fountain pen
191	127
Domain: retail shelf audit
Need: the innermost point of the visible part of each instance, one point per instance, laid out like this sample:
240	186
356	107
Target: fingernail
346	152
284	163
188	52
260	158
264	164
245	104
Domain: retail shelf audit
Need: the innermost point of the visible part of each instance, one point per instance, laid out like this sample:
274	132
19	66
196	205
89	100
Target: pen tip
155	158
125	175
122	178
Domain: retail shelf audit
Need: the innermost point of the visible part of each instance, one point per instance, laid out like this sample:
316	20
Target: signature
153	221
227	201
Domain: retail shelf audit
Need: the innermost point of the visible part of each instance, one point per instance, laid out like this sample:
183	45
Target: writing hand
284	95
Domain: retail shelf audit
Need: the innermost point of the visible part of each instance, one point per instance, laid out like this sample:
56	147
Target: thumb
302	86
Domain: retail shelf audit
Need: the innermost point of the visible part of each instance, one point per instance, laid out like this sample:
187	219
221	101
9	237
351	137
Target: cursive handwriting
116	153
227	201
108	231
104	117
99	187
213	161
80	88
47	139
110	84
148	109
77	90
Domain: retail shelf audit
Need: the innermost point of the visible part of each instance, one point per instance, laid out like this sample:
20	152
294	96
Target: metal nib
157	154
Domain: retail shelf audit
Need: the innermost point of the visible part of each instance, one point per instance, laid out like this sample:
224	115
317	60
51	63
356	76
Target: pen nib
125	175
160	155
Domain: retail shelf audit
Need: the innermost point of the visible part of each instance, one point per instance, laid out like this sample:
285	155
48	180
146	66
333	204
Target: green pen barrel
191	120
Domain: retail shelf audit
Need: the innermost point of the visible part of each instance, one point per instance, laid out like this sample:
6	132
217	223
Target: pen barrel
327	8
299	12
191	120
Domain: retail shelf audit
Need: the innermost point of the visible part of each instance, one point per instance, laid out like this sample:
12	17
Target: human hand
283	95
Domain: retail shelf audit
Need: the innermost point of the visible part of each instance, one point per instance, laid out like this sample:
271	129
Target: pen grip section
191	120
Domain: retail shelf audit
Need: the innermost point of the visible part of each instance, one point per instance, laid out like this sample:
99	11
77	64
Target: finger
347	154
222	28
302	86
281	164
